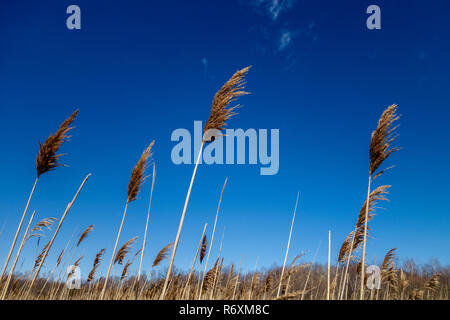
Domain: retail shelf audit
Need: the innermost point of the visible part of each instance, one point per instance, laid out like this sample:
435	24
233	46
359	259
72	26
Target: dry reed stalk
237	279
328	269
358	234
202	248
5	286
379	150
144	242
58	261
287	248
220	266
46	160
212	237
136	180
309	273
220	113
252	283
55	234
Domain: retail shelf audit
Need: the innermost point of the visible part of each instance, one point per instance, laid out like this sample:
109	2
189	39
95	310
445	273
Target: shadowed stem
175	245
18	229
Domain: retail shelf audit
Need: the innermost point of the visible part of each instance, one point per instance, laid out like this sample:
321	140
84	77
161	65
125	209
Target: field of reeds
348	278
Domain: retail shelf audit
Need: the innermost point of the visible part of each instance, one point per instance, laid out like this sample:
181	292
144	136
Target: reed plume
47	160
357	235
97	261
209	277
379	150
433	282
137	175
39	258
162	254
134	186
45	223
220	113
58	261
203	248
124	250
72	270
85	234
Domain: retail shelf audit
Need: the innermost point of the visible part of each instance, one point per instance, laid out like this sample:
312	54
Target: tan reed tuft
124	250
137	175
85	234
97	261
47	158
162	254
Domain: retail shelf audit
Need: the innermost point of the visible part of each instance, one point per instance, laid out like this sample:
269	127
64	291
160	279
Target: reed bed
344	279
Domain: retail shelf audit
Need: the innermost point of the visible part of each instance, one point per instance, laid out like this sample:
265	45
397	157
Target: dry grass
306	280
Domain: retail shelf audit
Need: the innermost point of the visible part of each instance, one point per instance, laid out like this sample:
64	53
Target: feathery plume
47	159
85	234
41	255
120	256
220	110
380	143
137	175
39	227
97	261
203	249
433	283
161	255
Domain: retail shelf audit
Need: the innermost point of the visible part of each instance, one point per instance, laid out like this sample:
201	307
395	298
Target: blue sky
137	70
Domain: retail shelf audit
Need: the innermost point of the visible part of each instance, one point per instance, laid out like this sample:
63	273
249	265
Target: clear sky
137	70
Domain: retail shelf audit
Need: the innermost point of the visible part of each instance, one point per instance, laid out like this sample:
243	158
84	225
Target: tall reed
134	186
69	206
220	113
379	150
47	160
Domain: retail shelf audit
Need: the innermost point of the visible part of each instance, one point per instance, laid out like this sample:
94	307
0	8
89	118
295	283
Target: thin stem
146	224
329	257
287	249
55	234
175	246
193	262
199	294
5	288
18	229
114	252
363	259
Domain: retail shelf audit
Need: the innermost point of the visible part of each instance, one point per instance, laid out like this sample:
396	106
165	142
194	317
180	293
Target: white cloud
204	62
285	40
274	7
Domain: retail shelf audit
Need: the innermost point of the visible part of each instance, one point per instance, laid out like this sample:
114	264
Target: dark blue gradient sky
136	71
